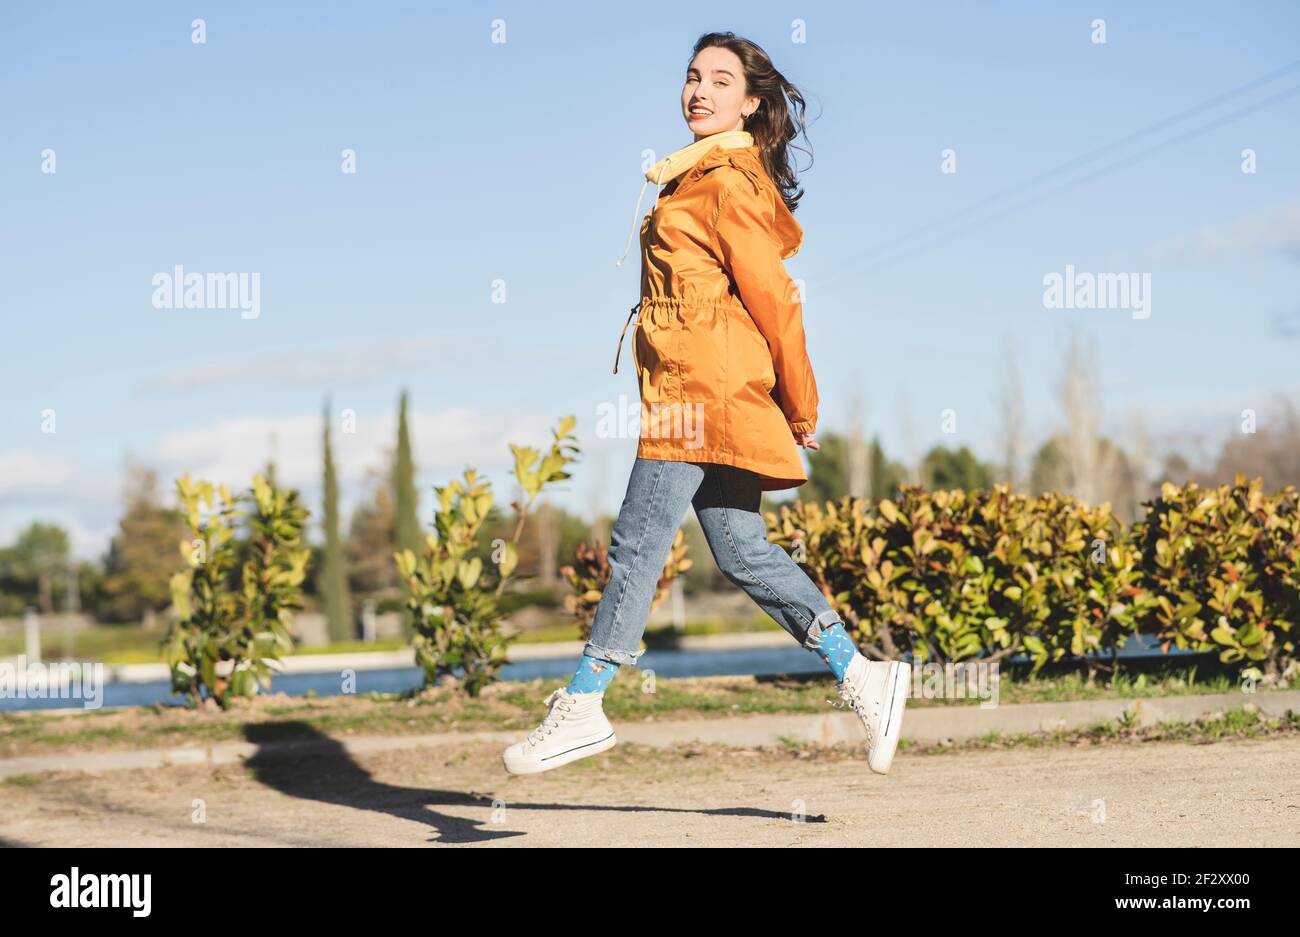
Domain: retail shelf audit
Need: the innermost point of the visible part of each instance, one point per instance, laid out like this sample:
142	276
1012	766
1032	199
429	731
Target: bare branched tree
1272	451
1011	405
1078	396
859	452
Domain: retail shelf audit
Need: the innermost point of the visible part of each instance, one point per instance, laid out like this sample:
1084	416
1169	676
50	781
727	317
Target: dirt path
1244	793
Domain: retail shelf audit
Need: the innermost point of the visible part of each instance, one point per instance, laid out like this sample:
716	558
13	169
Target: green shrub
590	573
953	575
234	598
1223	567
453	594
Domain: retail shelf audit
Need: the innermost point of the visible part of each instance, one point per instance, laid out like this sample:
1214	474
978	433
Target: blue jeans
726	500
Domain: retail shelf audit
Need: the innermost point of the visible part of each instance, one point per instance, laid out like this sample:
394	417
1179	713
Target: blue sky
482	163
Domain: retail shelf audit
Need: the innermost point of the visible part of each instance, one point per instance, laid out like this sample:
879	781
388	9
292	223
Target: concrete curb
922	724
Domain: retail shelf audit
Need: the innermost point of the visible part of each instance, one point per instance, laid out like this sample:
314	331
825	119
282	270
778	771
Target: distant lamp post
368	622
679	606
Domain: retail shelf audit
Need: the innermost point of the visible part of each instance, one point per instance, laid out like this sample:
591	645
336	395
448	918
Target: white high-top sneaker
877	691
574	727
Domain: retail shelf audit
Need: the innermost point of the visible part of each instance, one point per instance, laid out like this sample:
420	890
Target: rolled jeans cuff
823	621
613	655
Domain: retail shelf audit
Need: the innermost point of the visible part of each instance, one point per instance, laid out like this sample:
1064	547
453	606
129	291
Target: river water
664	663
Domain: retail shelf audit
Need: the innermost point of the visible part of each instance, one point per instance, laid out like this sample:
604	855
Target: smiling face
714	98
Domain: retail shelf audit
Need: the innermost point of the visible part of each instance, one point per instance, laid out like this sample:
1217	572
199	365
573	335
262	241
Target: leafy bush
1223	566
453	595
235	598
953	575
590	573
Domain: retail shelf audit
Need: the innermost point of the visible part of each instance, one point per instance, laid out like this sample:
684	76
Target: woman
727	392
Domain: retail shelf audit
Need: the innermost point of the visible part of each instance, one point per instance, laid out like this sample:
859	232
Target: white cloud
308	367
231	451
444	443
87	502
1268	232
25	473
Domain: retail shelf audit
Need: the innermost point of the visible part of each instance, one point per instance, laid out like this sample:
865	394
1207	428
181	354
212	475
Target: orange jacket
720	354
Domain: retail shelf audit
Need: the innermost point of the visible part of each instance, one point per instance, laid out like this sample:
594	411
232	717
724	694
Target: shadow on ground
319	768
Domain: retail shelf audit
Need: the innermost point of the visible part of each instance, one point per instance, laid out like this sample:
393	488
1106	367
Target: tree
945	468
858	469
334	574
142	556
39	555
1052	471
828	474
552	533
1270	450
1010	403
1079	461
405	499
1176	470
831	469
371	536
1085	469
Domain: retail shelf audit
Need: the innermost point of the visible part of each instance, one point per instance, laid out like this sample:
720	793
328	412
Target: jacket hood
788	231
732	147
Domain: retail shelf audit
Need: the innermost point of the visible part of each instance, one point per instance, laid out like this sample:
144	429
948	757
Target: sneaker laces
853	700
550	723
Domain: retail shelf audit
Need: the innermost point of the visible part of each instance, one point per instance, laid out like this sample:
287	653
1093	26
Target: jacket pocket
705	353
756	356
767	368
658	349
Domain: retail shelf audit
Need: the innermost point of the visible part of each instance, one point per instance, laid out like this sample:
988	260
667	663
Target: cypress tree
406	502
334	576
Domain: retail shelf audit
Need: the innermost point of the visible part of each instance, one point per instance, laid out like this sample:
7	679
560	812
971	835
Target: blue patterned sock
836	648
592	675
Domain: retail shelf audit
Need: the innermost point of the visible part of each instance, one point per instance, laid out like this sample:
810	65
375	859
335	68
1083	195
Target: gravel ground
1238	793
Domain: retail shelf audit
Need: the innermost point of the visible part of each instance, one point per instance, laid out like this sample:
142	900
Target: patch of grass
518	706
664	634
108	643
545	634
1244	722
1066	683
23	780
1231	725
353	647
710	697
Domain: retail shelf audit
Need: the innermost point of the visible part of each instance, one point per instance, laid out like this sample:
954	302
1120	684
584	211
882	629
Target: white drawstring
636	212
691	152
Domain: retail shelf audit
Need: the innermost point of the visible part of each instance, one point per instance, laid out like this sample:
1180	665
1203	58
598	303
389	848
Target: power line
885	248
1105	170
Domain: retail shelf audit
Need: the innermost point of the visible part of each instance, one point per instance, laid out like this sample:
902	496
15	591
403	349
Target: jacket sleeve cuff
804	426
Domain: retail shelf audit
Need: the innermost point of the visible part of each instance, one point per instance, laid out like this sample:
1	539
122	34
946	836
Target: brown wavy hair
776	123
